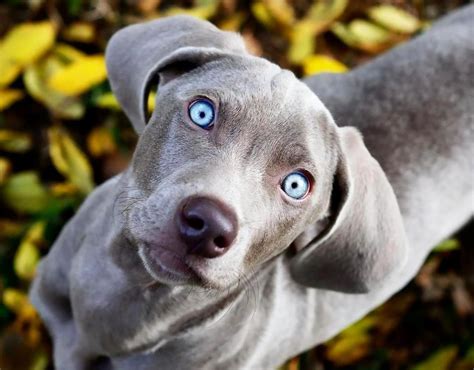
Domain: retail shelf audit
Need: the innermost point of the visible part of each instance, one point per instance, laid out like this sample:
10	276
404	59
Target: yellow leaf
68	53
28	255
60	189
394	19
263	15
24	193
5	169
440	360
368	33
9	228
303	34
365	35
80	31
348	349
107	100
280	11
343	33
8	72
23	45
302	41
35	78
17	302
79	76
69	160
323	13
319	63
361	327
233	23
8	97
203	12
101	142
15	142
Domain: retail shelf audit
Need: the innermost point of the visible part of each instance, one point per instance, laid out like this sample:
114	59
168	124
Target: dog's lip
170	263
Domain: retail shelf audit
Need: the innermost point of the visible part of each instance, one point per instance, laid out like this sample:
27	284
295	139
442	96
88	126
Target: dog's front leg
50	296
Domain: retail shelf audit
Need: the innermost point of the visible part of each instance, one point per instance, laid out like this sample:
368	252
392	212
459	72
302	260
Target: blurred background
62	133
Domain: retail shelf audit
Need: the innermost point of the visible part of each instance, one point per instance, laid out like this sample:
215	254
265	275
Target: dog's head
238	160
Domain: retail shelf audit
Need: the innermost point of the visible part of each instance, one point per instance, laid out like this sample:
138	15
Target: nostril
220	242
196	223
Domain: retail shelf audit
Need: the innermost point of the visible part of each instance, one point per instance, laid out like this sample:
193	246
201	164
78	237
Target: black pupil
202	114
294	185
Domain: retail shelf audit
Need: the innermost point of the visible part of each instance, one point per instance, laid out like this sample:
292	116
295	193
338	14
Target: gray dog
247	216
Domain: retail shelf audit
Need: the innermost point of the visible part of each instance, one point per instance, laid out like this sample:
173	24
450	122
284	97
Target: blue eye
201	112
296	185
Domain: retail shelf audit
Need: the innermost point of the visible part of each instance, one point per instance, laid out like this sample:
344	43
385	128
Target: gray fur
99	290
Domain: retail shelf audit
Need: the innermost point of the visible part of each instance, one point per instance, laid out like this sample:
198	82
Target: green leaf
394	19
440	360
447	245
24	193
15	142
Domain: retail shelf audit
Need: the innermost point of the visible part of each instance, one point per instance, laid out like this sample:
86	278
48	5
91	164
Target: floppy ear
365	240
137	55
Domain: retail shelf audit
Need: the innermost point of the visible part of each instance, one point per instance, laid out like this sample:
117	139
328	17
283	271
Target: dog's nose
207	227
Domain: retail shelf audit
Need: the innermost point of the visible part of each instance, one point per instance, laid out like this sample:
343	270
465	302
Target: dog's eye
201	112
296	185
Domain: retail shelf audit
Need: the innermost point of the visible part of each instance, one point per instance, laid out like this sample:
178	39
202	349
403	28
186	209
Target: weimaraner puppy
247	219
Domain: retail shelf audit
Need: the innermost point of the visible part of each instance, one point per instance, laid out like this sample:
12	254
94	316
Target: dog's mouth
167	266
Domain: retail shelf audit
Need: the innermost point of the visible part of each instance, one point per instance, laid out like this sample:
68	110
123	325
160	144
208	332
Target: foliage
62	132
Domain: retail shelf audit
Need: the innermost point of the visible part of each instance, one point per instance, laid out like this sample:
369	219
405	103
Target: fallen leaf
394	19
61	189
9	96
24	193
35	79
9	228
234	22
368	33
67	53
17	301
262	13
206	10
79	76
348	349
109	101
440	360
100	142
319	63
302	41
69	160
447	246
27	254
147	6
280	11
293	364
364	35
23	45
5	169
80	31
14	142
317	20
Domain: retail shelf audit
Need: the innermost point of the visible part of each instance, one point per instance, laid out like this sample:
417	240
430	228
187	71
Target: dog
250	227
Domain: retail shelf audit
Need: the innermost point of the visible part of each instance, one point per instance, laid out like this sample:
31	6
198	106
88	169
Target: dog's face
223	193
238	159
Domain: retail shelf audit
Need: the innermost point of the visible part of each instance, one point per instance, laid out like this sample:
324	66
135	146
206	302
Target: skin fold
388	147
